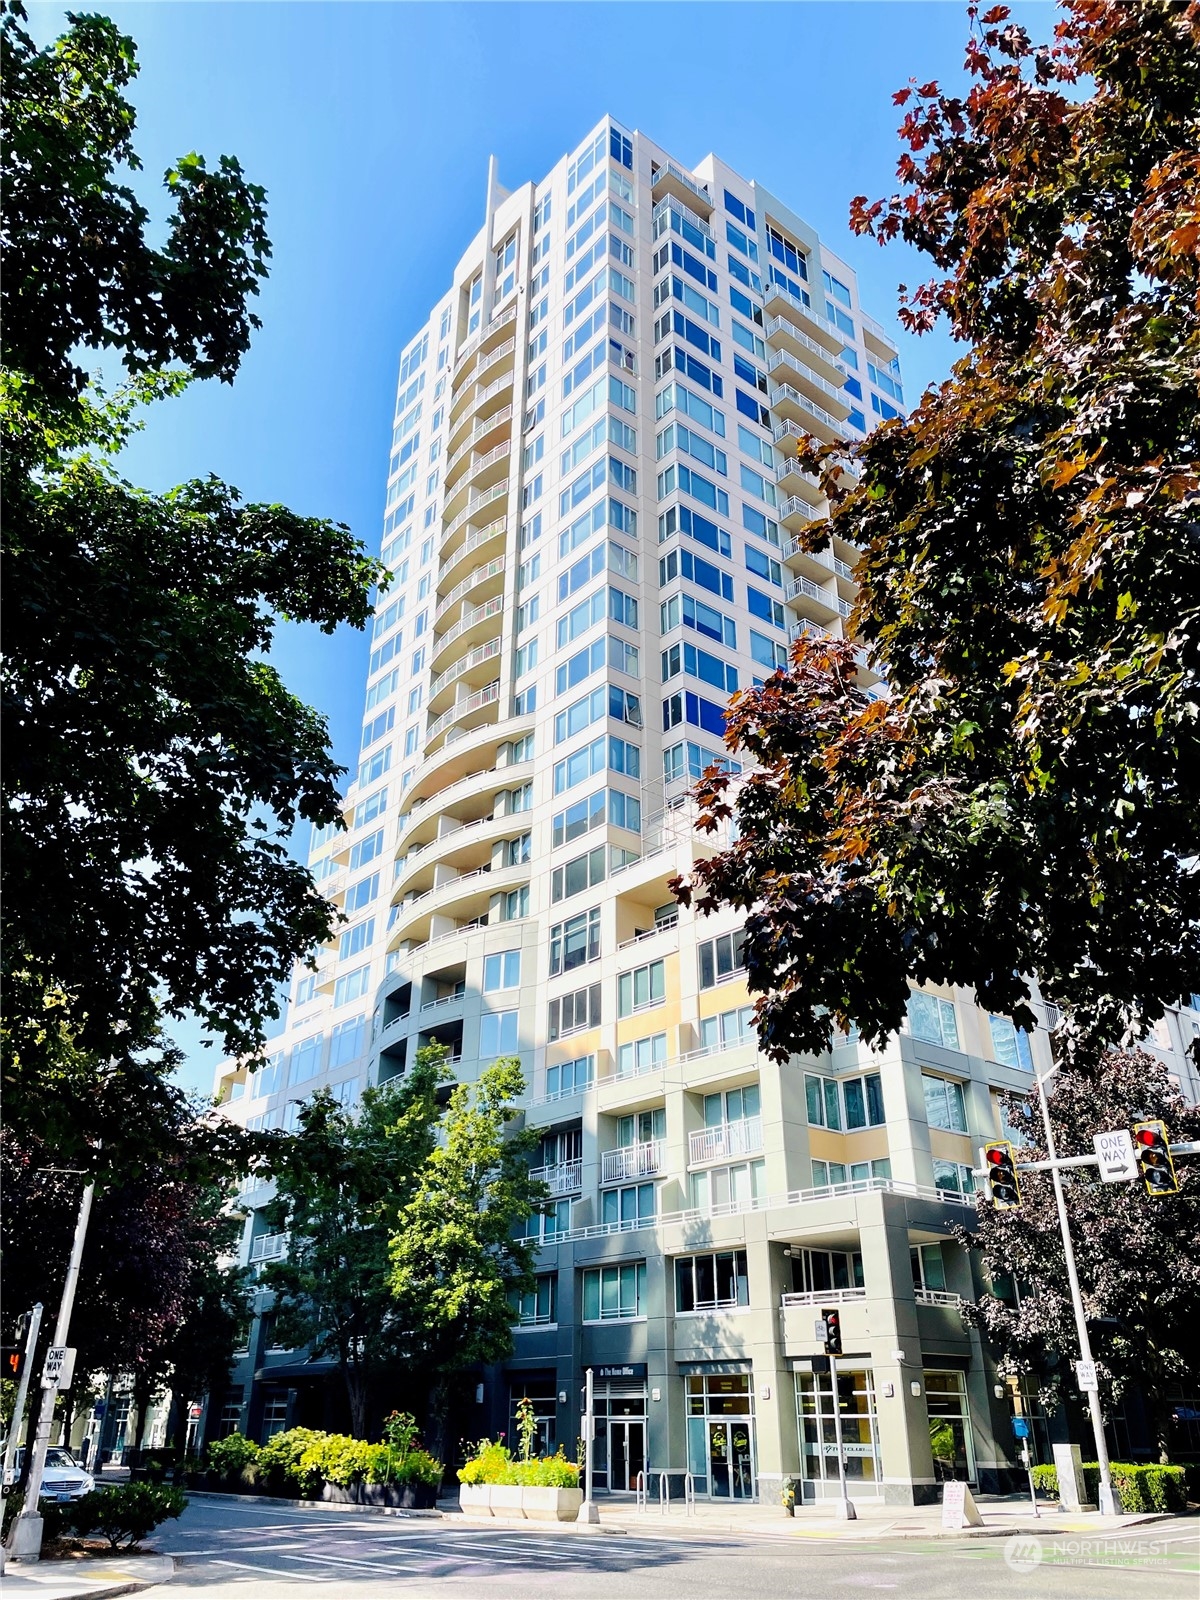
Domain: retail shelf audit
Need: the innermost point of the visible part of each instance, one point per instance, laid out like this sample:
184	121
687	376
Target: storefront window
949	1426
720	1432
818	1434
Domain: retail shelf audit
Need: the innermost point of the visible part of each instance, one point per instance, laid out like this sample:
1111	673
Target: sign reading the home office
59	1368
1085	1376
621	1372
958	1507
1115	1153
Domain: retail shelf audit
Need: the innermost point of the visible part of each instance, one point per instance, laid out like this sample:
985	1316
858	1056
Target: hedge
1140	1486
125	1514
300	1460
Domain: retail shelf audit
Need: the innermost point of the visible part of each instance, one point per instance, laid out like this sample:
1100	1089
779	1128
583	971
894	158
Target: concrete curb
74	1574
310	1505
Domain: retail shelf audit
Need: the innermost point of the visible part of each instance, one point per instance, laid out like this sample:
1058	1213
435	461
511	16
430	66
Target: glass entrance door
730	1461
626	1452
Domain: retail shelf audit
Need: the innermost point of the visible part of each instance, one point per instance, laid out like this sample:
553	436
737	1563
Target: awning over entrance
294	1371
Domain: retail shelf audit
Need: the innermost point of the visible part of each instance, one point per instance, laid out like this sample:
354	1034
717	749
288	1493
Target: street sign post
1115	1155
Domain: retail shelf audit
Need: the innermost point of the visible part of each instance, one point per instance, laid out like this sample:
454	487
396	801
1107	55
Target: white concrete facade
589	518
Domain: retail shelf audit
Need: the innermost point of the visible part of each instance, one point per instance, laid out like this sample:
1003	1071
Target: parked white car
64	1479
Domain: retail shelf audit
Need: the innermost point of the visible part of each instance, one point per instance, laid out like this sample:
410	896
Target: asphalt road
248	1552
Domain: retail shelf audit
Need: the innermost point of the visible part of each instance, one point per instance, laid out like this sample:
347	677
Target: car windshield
60	1458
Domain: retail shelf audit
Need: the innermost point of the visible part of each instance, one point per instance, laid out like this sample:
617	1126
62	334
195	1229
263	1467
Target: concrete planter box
536	1503
406	1497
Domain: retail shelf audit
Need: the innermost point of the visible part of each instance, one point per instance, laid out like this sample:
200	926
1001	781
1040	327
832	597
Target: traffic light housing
1153	1153
833	1332
1003	1188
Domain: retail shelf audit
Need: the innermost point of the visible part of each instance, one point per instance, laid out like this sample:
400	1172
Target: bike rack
639	1489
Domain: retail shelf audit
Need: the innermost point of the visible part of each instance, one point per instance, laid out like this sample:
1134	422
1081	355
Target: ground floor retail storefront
742	1434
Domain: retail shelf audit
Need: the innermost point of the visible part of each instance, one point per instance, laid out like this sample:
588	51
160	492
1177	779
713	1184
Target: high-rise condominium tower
591	506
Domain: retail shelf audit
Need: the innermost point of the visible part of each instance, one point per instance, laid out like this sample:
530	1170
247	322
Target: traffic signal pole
1107	1503
18	1416
846	1506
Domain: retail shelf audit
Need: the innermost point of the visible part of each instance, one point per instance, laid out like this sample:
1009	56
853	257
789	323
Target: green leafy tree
1026	798
1136	1255
342	1182
155	764
454	1256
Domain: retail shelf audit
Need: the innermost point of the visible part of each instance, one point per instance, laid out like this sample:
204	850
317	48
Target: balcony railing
784	391
477	432
632	1161
473	702
564	1177
490	608
823	1297
662	925
488	570
669	203
783	326
481	652
471	542
937	1297
783	358
741	1138
473	505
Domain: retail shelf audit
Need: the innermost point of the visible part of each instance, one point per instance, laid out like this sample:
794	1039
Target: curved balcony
486	431
482	472
466	898
485	541
782	333
481	582
469	629
781	302
481	508
473	791
470	712
494	371
672	180
480	410
473	668
466	760
483	341
787	401
460	845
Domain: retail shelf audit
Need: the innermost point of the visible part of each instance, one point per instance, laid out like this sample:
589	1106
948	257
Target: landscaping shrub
232	1453
124	1514
493	1463
1140	1486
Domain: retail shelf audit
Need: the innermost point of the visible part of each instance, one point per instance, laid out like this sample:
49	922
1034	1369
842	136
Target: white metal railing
477	432
632	1161
794	506
663	925
498	354
785	1202
473	702
741	1138
481	652
443	1000
489	608
822	1297
783	325
877	329
504	382
487	569
564	1177
459	783
785	391
670	203
844	607
671	170
501	450
471	542
937	1297
784	358
270	1247
473	505
814	591
496	322
776	291
806	625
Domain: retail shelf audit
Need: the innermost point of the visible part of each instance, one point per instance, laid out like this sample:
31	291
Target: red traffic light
1154	1157
996	1156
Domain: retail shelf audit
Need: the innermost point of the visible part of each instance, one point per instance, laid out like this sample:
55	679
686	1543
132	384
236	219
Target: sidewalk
93	1579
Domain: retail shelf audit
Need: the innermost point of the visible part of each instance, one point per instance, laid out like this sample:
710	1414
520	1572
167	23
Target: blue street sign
1020	1428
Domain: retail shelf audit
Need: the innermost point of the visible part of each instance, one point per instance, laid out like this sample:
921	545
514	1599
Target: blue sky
370	126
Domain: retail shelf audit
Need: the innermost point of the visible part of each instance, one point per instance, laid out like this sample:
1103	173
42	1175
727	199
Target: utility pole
25	1540
1107	1502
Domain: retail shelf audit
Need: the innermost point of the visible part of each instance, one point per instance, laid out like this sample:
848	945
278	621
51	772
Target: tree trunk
1161	1412
358	1395
141	1401
439	1405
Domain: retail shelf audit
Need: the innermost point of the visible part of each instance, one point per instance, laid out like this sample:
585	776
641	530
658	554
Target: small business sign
958	1507
620	1372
